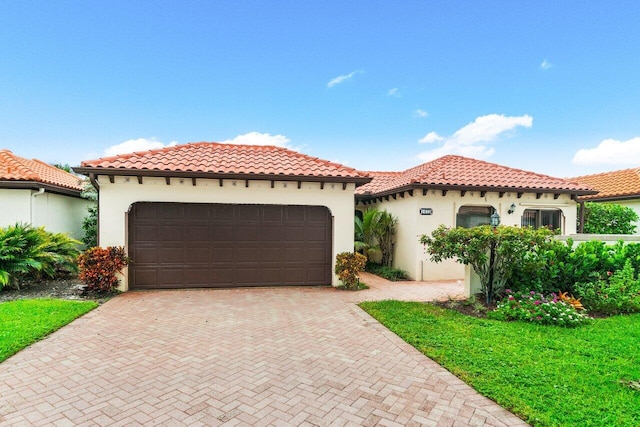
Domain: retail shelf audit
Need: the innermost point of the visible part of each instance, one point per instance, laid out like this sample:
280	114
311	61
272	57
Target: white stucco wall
15	206
56	213
410	254
116	199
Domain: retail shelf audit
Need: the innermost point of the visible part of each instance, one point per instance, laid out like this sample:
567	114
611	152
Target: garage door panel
214	245
247	233
172	211
273	215
197	233
316	234
294	234
146	233
171	233
247	213
171	255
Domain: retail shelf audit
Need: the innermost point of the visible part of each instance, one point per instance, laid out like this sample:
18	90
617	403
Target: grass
24	322
547	375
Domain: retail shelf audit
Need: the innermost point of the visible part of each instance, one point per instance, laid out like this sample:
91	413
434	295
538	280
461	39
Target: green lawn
24	322
548	375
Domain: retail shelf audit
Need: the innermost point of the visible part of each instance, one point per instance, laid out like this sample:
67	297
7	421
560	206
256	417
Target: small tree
473	246
608	218
90	222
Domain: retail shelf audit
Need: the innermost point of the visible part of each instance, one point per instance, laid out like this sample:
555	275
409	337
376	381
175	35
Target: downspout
96	185
581	228
33	196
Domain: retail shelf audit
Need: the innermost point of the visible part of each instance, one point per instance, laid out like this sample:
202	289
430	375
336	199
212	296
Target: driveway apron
294	356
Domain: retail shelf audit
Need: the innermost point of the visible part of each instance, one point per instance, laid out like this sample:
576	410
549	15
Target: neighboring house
459	191
37	193
208	215
620	187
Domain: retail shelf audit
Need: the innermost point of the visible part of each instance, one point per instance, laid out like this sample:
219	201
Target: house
621	187
208	214
37	193
460	191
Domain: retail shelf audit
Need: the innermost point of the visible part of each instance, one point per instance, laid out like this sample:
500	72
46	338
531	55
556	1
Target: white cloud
257	138
132	145
430	138
545	65
471	140
344	78
394	92
610	152
420	113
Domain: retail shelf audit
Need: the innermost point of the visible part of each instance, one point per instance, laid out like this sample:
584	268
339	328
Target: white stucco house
621	187
34	192
460	191
208	215
220	215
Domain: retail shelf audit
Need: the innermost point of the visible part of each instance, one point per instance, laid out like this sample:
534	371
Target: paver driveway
235	357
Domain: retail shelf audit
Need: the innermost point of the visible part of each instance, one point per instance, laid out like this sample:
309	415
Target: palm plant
385	232
18	252
374	234
29	251
365	233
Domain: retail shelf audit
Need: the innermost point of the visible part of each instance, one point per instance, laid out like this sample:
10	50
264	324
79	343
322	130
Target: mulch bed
70	288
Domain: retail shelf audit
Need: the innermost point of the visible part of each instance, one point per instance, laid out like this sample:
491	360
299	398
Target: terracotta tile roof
612	185
16	168
462	172
227	159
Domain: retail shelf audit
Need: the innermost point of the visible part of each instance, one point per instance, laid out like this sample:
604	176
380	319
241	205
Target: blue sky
548	86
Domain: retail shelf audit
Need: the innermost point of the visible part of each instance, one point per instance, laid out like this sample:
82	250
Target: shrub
28	252
389	273
608	218
474	246
619	293
98	267
535	307
348	268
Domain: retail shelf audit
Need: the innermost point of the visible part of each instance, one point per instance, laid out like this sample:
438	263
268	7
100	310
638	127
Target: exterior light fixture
495	219
512	208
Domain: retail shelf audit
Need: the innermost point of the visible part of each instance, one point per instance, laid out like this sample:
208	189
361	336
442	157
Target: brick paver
294	356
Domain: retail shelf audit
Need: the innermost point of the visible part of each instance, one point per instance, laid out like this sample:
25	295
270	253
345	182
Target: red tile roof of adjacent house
226	159
622	184
16	168
465	173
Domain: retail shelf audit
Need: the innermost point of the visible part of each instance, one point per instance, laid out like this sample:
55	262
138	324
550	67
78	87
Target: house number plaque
426	211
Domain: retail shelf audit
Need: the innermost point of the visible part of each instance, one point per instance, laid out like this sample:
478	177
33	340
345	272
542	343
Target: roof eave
414	186
610	198
215	175
35	185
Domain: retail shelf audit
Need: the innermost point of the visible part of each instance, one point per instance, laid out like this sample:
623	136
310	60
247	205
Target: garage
203	245
208	215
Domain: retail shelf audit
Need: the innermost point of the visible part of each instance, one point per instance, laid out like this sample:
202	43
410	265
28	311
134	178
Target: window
472	216
537	218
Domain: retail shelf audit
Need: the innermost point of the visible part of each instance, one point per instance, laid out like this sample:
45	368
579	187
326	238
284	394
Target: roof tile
16	168
458	171
622	183
211	157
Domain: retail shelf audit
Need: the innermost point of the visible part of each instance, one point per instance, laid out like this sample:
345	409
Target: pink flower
537	302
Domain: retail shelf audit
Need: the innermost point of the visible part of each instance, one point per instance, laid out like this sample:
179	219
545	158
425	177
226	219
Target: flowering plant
535	307
348	268
98	267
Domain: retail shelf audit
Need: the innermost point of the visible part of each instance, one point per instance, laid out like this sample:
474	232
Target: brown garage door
178	245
